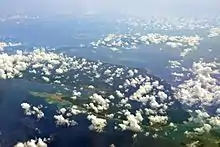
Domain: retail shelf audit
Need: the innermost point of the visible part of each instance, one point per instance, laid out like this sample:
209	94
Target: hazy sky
136	7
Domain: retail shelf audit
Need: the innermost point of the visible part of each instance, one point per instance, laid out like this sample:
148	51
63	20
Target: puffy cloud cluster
162	95
132	41
7	67
131	72
200	117
64	118
202	88
98	124
135	81
215	121
61	121
144	89
39	62
46	79
203	129
193	144
158	119
98	103
119	94
208	121
133	122
155	101
175	64
32	110
75	111
32	143
217	111
26	107
13	65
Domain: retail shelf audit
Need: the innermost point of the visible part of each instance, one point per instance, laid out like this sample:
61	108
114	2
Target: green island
52	98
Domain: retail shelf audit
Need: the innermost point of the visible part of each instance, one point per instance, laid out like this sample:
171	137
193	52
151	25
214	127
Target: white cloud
32	143
158	119
215	121
62	110
162	95
46	79
59	71
133	122
102	103
60	120
98	124
119	94
25	106
202	87
120	41
203	129
32	110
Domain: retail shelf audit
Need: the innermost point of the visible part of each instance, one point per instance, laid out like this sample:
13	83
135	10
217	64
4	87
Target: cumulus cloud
98	124
162	95
133	122
46	79
32	110
203	129
202	87
145	88
60	120
132	41
32	143
158	119
215	121
102	103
